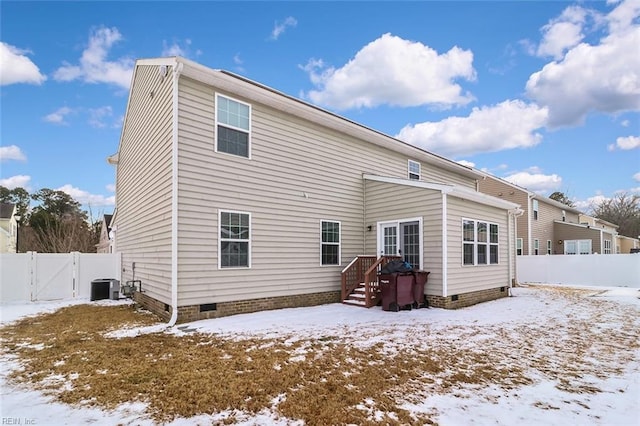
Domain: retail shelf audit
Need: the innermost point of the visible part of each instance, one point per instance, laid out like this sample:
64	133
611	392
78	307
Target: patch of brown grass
326	380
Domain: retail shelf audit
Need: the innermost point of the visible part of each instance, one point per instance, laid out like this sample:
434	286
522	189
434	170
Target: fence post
75	259
32	268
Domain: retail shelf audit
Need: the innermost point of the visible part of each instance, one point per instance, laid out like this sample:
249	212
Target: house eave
453	190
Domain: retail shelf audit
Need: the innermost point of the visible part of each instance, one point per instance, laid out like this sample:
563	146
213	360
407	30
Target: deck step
354	302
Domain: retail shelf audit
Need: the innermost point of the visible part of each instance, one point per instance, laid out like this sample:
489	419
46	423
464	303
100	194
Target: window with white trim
577	247
414	170
607	247
549	247
235	239
519	244
233	126
329	242
479	242
535	209
536	246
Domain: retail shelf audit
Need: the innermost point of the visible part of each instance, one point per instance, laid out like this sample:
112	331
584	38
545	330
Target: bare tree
624	211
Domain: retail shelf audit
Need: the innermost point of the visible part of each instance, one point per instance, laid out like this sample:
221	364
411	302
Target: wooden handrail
371	280
353	274
364	269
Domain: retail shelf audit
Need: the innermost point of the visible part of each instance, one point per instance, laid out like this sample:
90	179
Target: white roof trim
453	190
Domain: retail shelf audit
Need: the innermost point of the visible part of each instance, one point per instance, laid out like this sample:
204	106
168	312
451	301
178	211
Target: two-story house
550	227
233	197
105	243
8	228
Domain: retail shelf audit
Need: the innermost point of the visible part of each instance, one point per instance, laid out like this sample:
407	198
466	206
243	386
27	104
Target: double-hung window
414	170
535	209
329	243
233	126
480	242
235	239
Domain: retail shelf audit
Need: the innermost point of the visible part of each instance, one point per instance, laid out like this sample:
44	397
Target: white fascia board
407	182
452	190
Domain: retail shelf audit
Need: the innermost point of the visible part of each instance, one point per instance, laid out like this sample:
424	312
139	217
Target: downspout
445	240
513	266
177	70
529	224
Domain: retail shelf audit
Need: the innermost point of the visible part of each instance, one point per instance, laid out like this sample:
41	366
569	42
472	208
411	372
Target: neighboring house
627	244
232	197
607	233
105	245
8	228
550	227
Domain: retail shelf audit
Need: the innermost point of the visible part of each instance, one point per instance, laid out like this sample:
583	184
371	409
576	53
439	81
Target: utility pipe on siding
177	70
513	214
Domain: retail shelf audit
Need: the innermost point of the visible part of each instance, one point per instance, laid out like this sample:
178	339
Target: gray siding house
232	197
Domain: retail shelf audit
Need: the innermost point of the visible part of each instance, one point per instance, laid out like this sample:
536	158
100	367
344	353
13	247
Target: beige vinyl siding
299	174
143	182
387	202
497	188
467	278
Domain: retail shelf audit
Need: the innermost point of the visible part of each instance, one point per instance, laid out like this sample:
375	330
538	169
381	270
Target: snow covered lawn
546	356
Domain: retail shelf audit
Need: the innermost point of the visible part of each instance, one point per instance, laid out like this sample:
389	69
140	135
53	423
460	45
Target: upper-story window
535	209
233	126
414	170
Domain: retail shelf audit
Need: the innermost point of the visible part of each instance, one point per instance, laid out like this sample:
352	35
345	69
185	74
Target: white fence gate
607	270
52	276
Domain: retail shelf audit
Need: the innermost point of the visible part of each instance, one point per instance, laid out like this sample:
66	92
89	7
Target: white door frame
380	235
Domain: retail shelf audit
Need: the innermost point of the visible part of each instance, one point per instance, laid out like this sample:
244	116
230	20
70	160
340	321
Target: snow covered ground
529	331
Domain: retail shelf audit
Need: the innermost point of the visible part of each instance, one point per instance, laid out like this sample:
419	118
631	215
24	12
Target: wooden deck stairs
360	285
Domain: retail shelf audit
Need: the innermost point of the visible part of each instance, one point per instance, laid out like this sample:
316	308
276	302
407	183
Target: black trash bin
100	289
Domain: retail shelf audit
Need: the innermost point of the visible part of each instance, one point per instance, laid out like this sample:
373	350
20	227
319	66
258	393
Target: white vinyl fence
52	276
607	270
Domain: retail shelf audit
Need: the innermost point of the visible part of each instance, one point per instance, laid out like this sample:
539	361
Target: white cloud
94	67
16	67
84	197
625	143
508	125
536	182
562	33
239	63
97	116
466	163
12	152
178	48
281	27
111	187
603	77
18	181
58	116
394	71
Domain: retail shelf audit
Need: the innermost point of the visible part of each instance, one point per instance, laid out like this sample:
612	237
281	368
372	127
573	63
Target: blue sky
545	94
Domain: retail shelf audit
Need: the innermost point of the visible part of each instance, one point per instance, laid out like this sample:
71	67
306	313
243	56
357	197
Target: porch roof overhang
453	190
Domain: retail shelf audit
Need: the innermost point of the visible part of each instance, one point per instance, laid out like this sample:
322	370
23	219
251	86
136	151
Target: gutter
513	266
177	70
